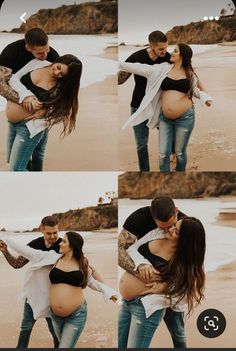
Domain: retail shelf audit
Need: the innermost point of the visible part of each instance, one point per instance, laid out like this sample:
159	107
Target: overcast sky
13	9
138	18
25	198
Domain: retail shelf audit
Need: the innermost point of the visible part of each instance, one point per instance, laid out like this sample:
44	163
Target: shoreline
223	43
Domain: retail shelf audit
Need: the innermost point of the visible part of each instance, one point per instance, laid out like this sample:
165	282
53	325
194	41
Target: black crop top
40	93
181	85
158	262
58	276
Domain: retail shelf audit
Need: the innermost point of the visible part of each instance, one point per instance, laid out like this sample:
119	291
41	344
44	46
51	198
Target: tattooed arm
15	262
5	90
123	76
126	239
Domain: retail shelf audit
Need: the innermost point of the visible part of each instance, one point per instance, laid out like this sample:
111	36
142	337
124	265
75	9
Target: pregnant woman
55	89
58	290
168	102
179	257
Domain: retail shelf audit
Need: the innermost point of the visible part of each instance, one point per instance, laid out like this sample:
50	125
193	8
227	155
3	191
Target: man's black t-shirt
141	222
39	244
142	56
15	55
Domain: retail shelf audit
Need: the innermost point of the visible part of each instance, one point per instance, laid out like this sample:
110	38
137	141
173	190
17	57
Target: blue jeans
23	151
136	331
27	325
141	133
68	329
179	131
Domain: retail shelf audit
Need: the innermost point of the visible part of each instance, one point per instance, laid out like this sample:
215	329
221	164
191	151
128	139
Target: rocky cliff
204	32
136	185
89	218
87	18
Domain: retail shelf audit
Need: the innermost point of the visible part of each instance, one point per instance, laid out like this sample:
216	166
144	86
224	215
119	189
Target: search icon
211	323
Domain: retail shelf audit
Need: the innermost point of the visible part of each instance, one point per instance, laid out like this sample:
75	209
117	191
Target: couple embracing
162	252
165	85
41	88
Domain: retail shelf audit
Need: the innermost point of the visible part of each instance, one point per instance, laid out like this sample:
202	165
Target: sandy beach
220	294
212	144
93	146
100	329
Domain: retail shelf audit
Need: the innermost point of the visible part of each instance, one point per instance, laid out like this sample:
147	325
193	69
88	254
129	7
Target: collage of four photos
117	174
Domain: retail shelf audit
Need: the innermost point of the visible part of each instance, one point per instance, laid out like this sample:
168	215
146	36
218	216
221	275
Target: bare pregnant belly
15	112
130	287
174	104
65	299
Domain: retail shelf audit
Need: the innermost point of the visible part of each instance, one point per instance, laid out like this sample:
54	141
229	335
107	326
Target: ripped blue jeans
21	148
177	131
68	329
136	331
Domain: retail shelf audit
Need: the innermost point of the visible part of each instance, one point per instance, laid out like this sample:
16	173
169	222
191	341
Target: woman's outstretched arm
108	292
33	255
140	69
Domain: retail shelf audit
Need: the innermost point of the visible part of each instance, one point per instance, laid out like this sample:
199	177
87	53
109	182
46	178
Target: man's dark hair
162	208
49	221
157	37
36	37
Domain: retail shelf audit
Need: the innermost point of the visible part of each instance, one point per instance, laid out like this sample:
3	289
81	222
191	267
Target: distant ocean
89	247
220	240
125	51
86	47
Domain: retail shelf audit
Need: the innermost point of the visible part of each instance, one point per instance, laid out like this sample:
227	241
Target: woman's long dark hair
184	275
63	104
186	54
76	242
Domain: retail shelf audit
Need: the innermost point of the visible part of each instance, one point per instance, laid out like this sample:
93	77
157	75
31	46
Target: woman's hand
113	298
153	288
3	246
37	114
208	103
147	272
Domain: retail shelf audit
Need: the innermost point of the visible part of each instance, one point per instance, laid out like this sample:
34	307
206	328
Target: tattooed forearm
15	262
123	76
124	241
5	90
